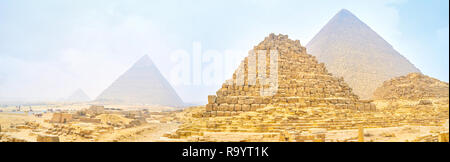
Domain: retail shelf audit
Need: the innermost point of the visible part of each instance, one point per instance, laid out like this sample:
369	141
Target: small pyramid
302	81
306	96
352	50
141	84
413	86
78	96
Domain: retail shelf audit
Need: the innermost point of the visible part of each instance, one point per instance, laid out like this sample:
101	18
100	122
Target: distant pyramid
78	96
351	49
141	84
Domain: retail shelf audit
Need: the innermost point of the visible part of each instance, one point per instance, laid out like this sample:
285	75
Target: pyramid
302	81
78	96
141	84
413	86
306	96
352	50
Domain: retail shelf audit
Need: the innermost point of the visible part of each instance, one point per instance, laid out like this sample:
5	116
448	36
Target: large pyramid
78	96
352	50
141	84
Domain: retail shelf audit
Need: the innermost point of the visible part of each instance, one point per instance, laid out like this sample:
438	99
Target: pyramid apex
144	61
145	57
78	95
344	12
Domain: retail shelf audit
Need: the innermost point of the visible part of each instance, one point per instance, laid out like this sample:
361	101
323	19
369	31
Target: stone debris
414	86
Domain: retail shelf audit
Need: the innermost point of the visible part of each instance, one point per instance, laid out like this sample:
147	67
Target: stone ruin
414	93
95	110
302	82
418	99
306	96
414	86
61	118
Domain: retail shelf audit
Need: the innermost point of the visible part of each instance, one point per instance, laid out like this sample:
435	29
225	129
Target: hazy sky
50	48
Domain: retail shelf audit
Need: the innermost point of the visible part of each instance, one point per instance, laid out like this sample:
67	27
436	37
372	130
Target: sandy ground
6	119
146	133
390	134
150	132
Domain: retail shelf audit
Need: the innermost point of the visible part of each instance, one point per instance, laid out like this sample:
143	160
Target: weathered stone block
47	138
212	99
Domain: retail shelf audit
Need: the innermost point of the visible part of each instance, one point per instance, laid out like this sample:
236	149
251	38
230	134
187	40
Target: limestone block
372	107
254	107
208	107
245	107
238	107
47	138
212	99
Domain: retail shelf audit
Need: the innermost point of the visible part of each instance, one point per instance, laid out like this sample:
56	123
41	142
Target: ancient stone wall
61	118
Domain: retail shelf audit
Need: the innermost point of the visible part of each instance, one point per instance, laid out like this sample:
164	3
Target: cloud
90	55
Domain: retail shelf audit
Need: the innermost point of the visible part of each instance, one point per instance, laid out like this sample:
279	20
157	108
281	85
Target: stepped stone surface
141	84
413	86
307	98
351	49
302	82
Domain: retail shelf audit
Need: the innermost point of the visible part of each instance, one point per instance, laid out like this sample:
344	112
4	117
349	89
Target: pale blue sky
50	48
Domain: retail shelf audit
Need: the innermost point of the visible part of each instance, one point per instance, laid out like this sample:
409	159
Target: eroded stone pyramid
302	81
351	49
413	86
306	97
141	84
